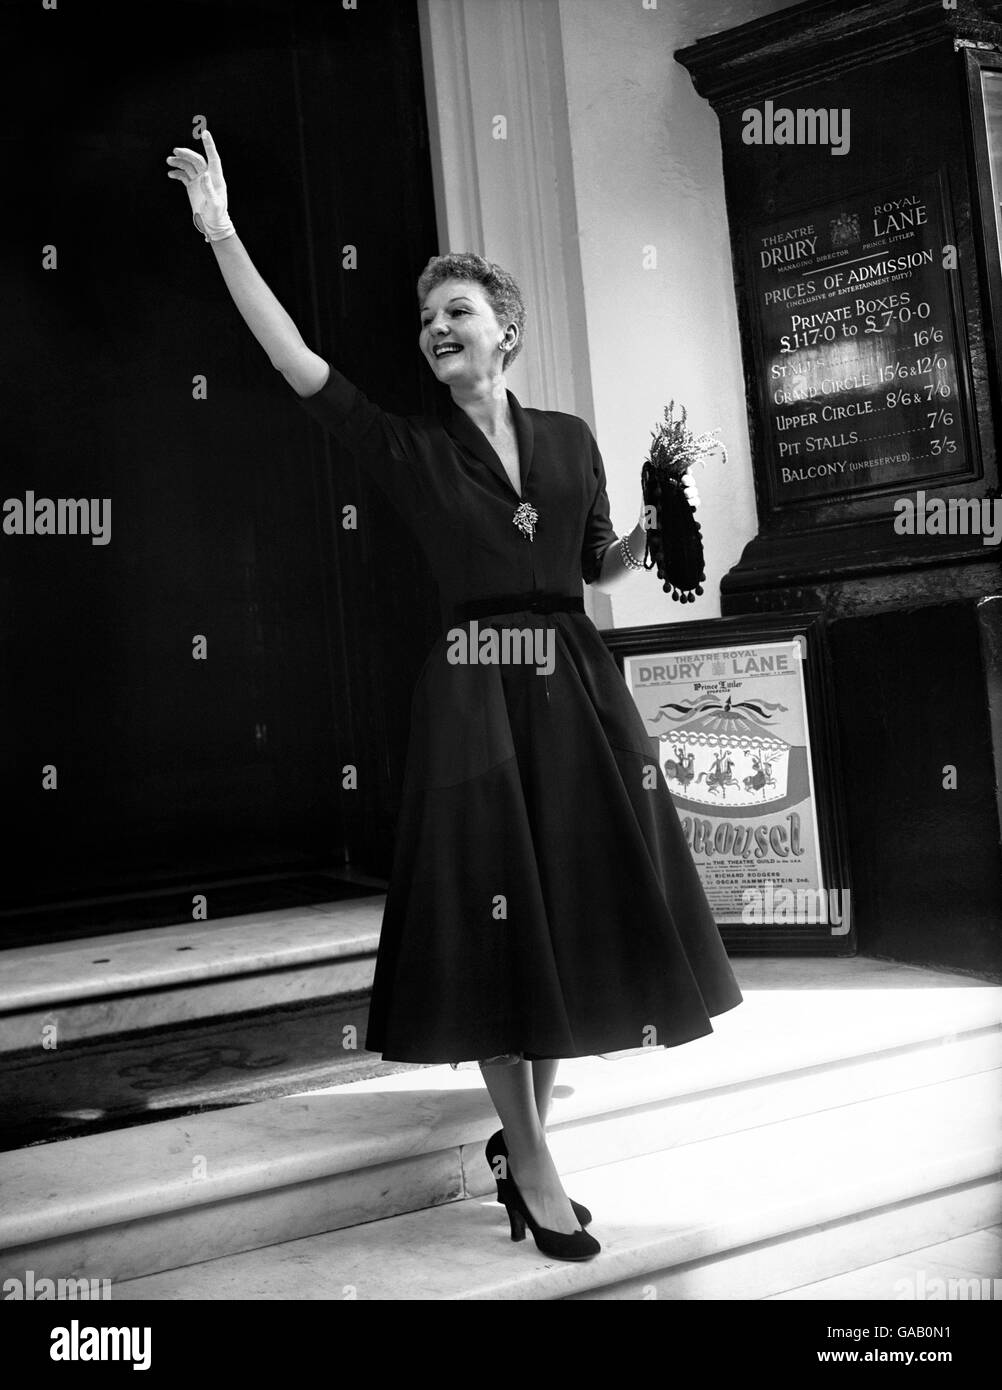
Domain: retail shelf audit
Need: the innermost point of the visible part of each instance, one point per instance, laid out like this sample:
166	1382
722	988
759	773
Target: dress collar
473	439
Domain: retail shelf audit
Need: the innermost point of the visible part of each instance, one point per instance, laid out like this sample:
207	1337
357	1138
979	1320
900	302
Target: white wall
647	172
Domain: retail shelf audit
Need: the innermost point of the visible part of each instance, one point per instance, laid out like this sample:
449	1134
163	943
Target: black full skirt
543	900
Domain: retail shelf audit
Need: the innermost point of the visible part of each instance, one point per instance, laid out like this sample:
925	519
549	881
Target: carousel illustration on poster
725	755
732	739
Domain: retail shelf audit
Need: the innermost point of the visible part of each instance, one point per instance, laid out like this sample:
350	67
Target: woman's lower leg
511	1088
544	1073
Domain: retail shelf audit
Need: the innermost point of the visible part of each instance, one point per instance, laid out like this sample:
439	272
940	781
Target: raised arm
382	443
302	368
202	176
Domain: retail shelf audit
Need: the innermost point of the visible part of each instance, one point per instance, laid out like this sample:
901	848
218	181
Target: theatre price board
855	326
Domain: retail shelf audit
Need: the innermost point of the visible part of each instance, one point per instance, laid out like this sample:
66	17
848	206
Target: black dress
542	899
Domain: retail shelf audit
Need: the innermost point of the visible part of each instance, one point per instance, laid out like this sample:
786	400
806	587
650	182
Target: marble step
68	992
810	1037
150	1075
743	1215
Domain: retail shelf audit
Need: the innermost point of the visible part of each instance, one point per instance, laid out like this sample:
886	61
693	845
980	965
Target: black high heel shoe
496	1147
556	1244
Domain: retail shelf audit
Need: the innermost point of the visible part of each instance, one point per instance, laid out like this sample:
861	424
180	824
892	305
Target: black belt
534	602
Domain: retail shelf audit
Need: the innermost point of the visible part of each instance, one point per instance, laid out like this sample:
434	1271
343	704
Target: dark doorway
225	512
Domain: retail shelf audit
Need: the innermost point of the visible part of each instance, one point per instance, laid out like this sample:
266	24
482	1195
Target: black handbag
675	541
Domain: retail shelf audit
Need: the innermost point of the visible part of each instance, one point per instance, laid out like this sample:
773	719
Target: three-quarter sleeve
382	443
598	531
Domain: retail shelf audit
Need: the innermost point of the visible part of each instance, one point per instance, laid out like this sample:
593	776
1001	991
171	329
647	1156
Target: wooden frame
986	225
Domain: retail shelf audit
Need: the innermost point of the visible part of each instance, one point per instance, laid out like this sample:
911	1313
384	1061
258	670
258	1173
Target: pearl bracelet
629	559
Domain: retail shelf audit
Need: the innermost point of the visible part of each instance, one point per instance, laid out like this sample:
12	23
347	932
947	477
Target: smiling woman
543	902
497	291
472	311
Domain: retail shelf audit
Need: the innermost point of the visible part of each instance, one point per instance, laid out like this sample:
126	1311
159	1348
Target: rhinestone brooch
525	519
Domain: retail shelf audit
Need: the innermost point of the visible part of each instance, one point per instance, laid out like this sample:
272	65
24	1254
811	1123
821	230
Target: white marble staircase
148	978
848	1111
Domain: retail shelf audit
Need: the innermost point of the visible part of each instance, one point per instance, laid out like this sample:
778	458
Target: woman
543	902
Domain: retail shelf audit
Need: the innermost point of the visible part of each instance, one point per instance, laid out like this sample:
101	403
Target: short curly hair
500	289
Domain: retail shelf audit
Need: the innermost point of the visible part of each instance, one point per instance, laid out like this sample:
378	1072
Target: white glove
206	189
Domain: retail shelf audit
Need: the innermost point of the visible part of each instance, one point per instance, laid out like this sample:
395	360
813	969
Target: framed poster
736	712
860	346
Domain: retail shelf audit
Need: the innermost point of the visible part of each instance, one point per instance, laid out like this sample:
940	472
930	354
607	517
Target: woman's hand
203	179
